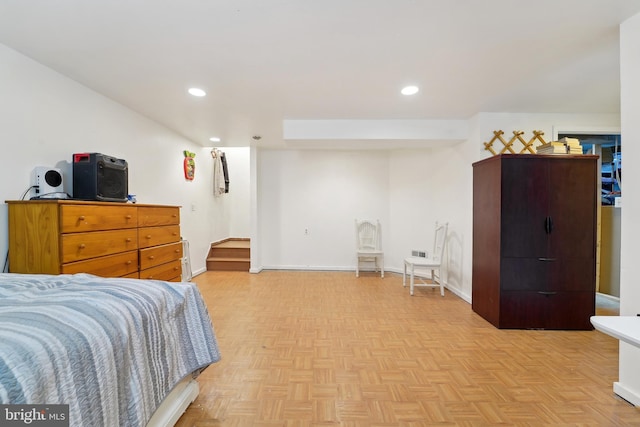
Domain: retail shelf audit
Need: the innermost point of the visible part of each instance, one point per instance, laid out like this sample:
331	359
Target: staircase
229	255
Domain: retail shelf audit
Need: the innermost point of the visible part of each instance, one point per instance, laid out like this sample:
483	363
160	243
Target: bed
112	349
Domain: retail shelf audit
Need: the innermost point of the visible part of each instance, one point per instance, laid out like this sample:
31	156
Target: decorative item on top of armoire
564	146
220	172
534	241
517	136
189	165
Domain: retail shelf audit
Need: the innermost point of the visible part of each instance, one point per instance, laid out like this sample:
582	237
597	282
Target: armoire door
525	201
572	208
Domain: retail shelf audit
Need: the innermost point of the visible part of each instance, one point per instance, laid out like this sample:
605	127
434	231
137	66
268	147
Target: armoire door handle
547	293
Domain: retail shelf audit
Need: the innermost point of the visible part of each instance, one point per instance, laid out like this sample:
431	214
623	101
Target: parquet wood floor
328	349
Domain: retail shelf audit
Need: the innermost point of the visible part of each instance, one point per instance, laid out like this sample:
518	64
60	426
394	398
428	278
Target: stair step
229	255
246	244
226	264
227	252
229	259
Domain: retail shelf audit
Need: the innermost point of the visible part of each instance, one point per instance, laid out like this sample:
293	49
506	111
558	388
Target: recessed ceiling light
214	139
410	90
197	91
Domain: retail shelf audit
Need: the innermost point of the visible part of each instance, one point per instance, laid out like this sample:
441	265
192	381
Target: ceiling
265	61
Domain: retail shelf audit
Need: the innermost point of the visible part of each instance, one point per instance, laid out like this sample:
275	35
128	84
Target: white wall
408	190
240	178
629	380
46	117
427	186
229	213
322	192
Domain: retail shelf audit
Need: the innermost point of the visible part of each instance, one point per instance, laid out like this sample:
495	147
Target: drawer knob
128	217
129	262
174	234
148	236
81	218
81	246
128	239
177	251
152	257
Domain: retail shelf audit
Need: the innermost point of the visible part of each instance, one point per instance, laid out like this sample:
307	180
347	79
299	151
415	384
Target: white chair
369	245
432	262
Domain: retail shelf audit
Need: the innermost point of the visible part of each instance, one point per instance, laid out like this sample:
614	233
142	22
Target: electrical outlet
418	253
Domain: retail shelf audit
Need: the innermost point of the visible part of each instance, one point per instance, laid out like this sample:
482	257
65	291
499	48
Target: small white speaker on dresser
48	181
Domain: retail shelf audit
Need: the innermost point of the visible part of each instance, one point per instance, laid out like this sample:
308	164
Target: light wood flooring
329	349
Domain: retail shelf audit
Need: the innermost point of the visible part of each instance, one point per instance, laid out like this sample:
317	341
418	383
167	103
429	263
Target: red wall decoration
189	165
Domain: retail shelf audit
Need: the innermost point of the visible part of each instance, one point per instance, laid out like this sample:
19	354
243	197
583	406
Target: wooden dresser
101	238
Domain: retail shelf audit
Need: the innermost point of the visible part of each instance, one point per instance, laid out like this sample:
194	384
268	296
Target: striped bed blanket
111	349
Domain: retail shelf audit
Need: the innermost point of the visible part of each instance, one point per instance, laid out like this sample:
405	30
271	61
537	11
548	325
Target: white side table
624	328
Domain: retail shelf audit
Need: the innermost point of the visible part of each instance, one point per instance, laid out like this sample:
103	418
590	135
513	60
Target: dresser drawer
154	236
547	309
80	246
107	266
135	275
150	257
152	216
75	219
170	271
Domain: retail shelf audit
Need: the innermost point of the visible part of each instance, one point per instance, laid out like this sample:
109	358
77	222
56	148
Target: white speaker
48	182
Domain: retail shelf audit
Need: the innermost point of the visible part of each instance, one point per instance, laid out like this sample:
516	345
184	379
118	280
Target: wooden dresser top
86	202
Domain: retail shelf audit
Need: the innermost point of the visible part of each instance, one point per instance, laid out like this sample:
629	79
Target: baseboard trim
459	294
455	291
627	394
609	297
198	271
308	268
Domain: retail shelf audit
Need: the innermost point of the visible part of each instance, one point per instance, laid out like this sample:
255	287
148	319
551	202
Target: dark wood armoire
534	240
